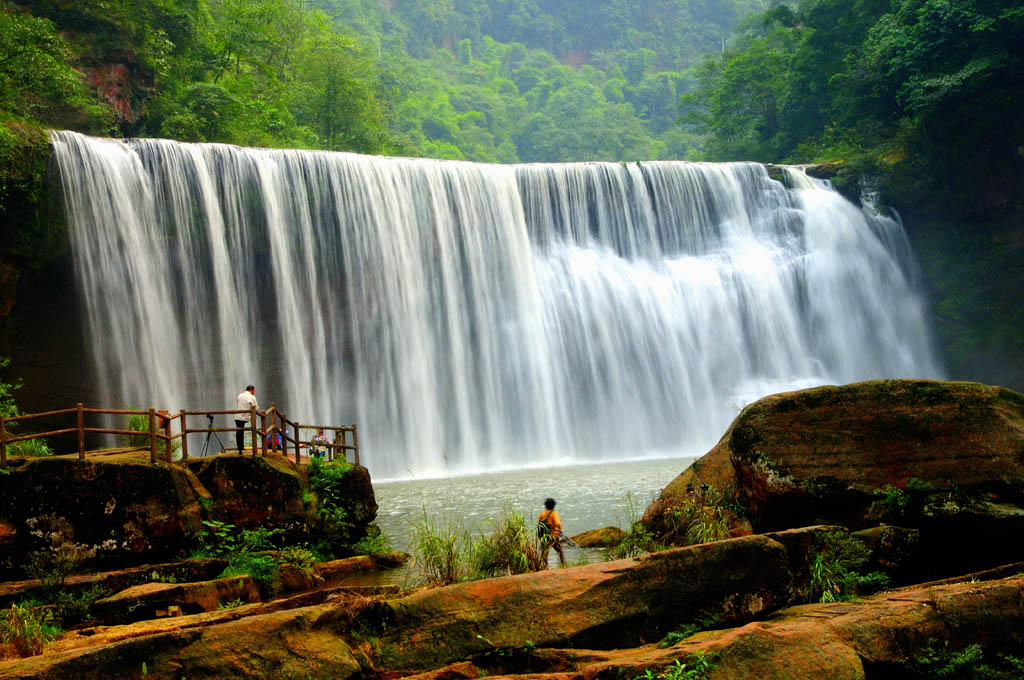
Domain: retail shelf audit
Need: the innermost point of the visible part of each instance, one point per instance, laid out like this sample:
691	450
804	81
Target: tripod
206	444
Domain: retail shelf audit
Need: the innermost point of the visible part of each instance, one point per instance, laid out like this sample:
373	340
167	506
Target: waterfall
473	317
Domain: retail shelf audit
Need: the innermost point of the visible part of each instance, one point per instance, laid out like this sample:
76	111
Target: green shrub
703	622
374	544
262	567
970	663
260	538
298	557
695	667
327	481
74	609
25	632
218	539
35	448
835	571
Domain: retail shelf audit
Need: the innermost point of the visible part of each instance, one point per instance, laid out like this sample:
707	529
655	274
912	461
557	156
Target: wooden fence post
152	435
3	442
252	426
355	444
165	420
81	432
295	426
184	437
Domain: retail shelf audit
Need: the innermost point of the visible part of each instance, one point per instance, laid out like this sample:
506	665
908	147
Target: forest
917	101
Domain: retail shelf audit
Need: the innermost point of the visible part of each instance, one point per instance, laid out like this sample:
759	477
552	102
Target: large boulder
601	605
944	457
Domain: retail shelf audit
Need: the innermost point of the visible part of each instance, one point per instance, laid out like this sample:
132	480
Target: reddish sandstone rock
300	643
122	83
944	457
607	537
154	600
601	605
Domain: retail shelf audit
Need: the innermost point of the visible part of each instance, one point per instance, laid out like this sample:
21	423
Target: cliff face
124	84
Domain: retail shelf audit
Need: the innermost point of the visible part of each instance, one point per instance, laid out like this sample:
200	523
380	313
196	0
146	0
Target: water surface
588	497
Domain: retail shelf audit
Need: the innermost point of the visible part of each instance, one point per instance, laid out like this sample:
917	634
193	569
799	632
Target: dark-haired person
246	402
549	539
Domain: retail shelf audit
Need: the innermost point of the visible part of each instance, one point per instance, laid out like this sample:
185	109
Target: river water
588	496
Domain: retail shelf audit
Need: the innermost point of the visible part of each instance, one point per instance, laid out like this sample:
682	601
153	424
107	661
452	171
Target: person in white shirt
246	400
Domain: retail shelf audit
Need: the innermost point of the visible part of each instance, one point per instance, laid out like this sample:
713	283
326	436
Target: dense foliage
505	80
927	93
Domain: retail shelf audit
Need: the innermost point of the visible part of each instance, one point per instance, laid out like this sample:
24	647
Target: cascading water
472	317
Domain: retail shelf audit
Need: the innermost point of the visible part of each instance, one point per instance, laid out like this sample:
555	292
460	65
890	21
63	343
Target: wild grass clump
445	554
703	518
25	632
638	539
439	552
510	548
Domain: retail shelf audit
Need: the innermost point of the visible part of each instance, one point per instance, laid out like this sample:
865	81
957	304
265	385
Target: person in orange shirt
549	537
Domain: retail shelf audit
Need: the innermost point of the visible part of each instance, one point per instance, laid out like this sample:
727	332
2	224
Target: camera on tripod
206	444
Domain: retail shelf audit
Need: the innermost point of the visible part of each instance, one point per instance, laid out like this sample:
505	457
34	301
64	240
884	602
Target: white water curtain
474	317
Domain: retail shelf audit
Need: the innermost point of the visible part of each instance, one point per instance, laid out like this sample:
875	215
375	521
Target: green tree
37	81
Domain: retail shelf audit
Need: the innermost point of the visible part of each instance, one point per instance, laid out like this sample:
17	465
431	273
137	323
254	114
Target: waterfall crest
472	317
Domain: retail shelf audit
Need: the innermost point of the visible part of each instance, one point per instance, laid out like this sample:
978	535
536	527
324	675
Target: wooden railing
161	433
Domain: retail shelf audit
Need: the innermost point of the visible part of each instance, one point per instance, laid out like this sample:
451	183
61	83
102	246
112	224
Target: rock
893	549
872	638
185	571
299	643
946	458
255	491
131	511
153	600
600	605
128	512
608	537
335	571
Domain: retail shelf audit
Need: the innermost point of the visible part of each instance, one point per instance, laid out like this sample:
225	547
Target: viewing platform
158	435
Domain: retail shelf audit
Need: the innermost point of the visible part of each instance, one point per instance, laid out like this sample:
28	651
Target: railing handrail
159	430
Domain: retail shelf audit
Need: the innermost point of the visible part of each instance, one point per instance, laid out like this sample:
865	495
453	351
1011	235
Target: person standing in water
549	529
246	401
